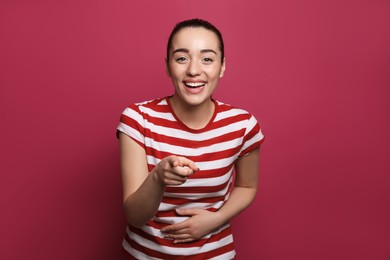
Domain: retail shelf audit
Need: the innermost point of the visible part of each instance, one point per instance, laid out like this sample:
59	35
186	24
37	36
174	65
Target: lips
194	84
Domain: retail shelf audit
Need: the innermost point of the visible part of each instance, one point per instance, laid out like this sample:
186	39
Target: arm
202	221
245	186
143	191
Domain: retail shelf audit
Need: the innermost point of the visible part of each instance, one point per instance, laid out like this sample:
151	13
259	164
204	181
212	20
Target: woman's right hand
174	170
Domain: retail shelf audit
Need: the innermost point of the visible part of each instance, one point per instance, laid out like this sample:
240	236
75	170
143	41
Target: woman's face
194	64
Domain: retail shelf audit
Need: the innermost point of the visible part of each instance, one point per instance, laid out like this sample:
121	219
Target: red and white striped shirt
230	134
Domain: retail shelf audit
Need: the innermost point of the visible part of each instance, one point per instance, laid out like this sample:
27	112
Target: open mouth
194	84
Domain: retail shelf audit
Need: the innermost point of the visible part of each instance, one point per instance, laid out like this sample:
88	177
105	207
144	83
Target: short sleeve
253	137
132	123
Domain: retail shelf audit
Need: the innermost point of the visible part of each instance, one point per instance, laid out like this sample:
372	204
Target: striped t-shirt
230	134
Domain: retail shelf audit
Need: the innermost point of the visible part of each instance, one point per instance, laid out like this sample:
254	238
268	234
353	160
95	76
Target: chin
194	101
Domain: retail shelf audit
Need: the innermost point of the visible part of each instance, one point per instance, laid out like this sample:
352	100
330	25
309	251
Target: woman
178	154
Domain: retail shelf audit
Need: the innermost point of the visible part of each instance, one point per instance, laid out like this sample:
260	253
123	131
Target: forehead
195	38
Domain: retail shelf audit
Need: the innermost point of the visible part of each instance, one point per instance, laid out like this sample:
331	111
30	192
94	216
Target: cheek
215	73
175	71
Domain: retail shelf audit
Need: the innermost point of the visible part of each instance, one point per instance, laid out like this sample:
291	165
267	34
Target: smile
194	84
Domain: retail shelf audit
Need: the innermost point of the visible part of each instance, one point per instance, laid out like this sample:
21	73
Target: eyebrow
188	51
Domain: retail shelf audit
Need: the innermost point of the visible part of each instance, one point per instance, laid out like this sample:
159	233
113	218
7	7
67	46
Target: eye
208	60
181	59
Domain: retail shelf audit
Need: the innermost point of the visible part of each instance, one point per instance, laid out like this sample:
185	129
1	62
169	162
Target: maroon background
315	74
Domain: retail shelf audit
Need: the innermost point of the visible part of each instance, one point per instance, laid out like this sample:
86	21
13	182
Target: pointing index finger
174	161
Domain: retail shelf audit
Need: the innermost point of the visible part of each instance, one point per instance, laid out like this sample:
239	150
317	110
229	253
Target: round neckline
206	127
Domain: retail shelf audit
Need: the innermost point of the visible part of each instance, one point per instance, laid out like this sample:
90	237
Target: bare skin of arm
143	191
202	222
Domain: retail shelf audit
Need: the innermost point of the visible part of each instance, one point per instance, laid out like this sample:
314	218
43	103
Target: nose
193	69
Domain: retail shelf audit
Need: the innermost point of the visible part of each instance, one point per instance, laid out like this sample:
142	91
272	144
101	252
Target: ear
223	68
167	68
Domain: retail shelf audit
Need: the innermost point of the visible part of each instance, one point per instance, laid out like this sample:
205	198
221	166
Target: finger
174	233
175	176
188	212
177	236
173	182
172	179
190	164
182	171
183	240
175	227
174	161
193	167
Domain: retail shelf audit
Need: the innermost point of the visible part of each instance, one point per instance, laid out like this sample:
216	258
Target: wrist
220	218
156	177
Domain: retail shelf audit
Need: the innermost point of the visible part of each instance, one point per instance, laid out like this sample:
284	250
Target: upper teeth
194	84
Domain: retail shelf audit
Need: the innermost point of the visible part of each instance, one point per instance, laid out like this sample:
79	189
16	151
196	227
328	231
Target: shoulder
149	103
238	116
149	106
228	110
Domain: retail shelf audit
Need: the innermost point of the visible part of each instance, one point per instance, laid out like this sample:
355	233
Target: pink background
315	74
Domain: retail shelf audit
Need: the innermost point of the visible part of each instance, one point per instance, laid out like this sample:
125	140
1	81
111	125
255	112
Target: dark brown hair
196	23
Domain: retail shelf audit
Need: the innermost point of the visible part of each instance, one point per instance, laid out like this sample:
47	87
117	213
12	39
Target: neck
193	116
